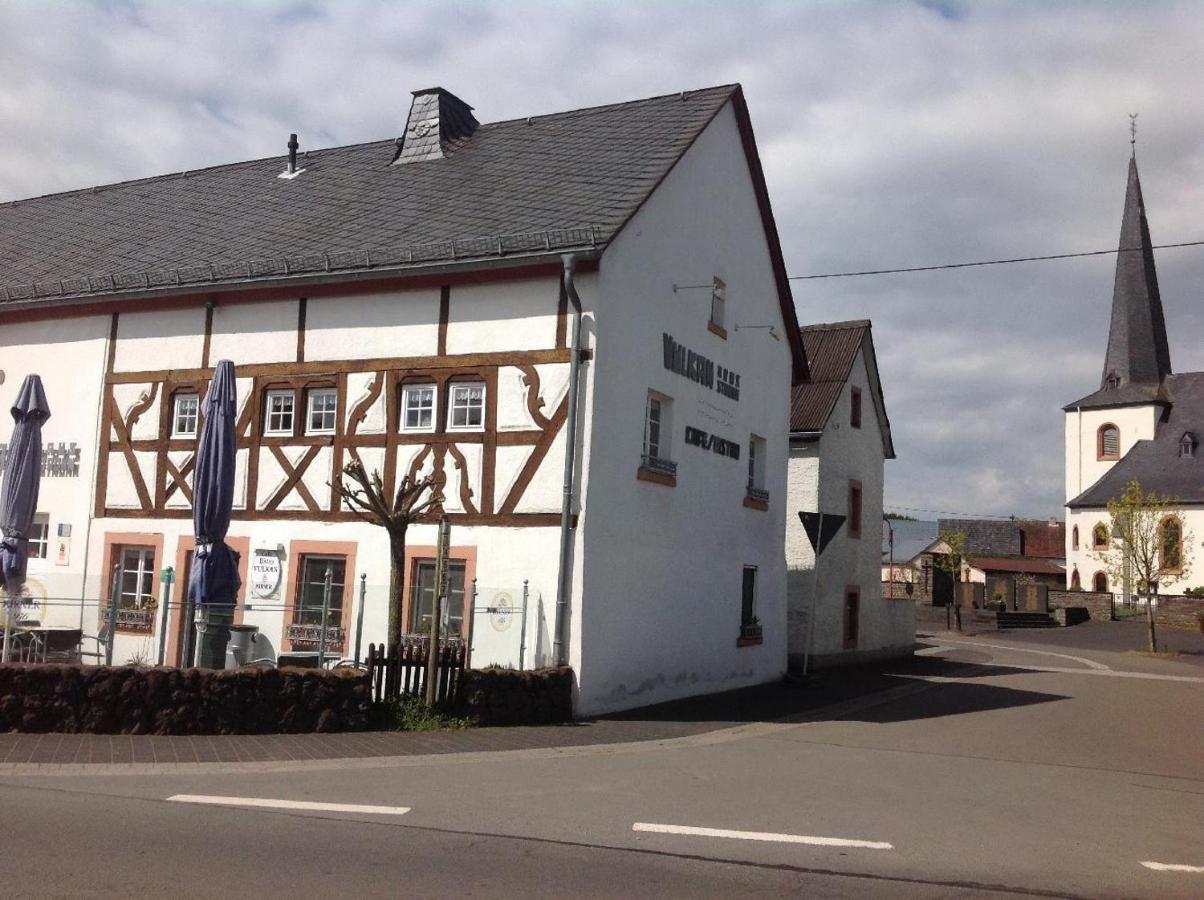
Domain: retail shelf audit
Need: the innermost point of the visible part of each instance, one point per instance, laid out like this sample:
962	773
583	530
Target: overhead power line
992	262
960	515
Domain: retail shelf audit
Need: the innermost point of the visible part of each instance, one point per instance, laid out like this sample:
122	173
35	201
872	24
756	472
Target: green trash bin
213	634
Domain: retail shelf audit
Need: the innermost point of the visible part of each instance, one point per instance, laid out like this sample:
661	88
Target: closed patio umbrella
213	580
19	493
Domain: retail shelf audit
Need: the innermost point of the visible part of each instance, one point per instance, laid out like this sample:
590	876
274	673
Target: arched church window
1074	538
1099	537
1076	583
1108	442
1170	544
1099	583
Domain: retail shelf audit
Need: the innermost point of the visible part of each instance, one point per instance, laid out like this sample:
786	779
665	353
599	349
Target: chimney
438	122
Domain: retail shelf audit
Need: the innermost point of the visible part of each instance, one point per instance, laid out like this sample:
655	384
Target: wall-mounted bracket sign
265	573
721	446
700	369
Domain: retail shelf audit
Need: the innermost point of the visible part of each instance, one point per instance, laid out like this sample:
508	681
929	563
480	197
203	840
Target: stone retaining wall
1098	606
137	700
513	697
1179	612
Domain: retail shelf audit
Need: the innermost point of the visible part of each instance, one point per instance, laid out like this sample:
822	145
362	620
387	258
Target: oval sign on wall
265	573
501	613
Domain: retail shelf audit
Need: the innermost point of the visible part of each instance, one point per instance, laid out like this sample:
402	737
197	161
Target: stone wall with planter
514	697
139	700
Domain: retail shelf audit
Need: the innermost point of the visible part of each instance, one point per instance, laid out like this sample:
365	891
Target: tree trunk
1149	612
397	568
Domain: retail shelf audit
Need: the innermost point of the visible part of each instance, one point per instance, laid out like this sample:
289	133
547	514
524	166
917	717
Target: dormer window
1187	445
1108	443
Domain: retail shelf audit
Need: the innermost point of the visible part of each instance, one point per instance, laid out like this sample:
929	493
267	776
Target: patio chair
62	645
100	642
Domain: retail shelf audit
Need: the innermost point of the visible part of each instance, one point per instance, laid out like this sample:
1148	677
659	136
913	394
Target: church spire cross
1133	134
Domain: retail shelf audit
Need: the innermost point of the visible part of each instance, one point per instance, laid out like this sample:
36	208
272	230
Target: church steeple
1138	353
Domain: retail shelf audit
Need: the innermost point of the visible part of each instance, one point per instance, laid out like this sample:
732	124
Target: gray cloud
892	135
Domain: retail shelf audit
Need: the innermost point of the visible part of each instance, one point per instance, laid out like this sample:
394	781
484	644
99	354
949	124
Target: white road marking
1172	867
761	836
1089	663
289	804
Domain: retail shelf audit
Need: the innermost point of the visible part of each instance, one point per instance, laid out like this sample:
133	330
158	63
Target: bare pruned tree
364	495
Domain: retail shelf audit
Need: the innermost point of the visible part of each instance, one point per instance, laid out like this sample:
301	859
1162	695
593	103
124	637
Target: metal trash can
213	632
239	652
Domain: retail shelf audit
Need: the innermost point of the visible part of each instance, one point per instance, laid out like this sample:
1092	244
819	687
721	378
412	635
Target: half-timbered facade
444	346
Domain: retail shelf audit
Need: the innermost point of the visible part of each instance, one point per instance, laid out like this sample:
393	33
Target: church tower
1103	426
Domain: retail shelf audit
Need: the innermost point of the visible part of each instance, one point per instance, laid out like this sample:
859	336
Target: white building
839	442
406	302
1144	424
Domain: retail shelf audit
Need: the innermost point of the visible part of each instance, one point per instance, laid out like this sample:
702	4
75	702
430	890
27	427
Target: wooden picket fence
404	671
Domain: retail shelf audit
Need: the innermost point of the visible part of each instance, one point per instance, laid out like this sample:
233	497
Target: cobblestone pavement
677	719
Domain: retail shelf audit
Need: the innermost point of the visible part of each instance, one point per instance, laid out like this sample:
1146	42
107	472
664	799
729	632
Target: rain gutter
564	585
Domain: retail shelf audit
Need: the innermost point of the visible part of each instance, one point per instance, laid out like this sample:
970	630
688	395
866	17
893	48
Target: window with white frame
466	410
322	412
658	431
418	407
185	410
39	537
136	580
756	468
279	410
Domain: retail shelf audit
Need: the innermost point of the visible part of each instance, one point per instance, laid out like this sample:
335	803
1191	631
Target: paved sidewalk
683	718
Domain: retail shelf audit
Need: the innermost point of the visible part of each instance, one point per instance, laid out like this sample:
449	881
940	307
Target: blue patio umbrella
213	579
19	491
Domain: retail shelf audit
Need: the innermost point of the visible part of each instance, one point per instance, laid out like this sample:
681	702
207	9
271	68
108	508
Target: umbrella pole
8	619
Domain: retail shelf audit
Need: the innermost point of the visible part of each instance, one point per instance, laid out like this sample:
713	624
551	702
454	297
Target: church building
1143	424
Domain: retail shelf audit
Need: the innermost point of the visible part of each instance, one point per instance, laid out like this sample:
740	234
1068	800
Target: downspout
564	586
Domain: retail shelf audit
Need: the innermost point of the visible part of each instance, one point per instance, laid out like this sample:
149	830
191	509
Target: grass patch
1162	653
413	714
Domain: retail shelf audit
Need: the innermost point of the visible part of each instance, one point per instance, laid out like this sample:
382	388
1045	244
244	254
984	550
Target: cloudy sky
893	134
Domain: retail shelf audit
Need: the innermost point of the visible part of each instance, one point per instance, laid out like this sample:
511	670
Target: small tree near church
1146	540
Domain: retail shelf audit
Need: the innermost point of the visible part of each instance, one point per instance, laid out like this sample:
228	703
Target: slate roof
831	350
1024	565
1138	357
560	180
1002	537
1157	463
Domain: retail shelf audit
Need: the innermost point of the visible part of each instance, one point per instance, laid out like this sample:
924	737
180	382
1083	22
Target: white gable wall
663	565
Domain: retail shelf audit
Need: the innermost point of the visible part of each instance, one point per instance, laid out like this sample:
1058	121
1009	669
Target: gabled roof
1138	357
1038	538
831	350
1025	566
1157	463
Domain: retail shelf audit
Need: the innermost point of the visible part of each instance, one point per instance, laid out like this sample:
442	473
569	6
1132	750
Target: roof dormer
438	121
1187	445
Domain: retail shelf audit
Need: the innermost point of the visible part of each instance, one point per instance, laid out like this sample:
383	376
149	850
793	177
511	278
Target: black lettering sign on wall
698	368
696	437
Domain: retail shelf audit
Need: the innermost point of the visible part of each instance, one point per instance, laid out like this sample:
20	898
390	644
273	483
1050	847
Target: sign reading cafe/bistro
700	369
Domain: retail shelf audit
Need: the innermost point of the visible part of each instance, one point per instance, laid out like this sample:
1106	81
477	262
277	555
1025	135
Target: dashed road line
1173	867
267	803
767	836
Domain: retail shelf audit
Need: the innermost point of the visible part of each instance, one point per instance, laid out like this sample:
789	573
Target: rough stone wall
1098	606
1180	612
136	700
515	697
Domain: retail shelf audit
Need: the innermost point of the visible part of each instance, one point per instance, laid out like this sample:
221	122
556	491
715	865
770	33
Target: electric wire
992	262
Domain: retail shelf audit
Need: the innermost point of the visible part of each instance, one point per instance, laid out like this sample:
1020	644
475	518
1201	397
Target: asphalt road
1028	773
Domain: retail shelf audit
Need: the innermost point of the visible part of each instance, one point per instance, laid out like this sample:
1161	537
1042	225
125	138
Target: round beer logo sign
265	573
501	611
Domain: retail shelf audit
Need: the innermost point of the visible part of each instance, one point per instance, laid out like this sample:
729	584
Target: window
1170	545
422	594
1076	583
136	579
467	410
855	509
1074	538
1099	537
756	469
278	416
719	307
311	589
852	616
855	407
1099	583
1108	442
418	407
39	537
185	408
1187	445
658	430
323	411
748	598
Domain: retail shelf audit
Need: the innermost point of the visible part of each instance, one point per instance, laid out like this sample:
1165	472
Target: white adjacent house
1144	424
839	442
413	303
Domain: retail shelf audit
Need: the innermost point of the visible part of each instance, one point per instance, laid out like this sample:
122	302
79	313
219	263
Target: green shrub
412	714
